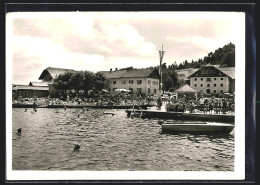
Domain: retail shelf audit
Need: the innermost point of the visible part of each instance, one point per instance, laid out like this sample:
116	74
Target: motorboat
193	127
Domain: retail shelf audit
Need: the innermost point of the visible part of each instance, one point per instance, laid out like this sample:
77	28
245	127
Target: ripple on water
111	143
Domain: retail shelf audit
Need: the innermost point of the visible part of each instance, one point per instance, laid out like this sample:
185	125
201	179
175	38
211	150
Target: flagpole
161	53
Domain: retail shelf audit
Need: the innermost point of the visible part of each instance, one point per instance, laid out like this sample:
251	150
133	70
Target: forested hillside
225	57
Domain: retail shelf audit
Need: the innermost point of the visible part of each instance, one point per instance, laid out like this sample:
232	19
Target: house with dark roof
145	80
210	79
50	73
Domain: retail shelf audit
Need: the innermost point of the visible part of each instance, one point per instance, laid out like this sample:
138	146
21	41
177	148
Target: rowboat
203	127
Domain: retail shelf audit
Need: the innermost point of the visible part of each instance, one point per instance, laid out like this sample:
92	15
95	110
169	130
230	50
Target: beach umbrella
122	90
104	90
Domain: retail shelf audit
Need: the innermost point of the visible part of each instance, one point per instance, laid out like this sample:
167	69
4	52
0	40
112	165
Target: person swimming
76	147
19	130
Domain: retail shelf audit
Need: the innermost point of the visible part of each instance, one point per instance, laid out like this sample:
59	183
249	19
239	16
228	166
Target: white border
237	174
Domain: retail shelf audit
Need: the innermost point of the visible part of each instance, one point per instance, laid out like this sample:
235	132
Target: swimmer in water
76	147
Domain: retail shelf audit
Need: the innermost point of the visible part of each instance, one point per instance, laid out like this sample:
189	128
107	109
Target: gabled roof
144	72
54	72
186	88
210	71
39	84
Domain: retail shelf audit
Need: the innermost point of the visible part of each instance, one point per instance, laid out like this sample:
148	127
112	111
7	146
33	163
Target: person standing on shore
201	103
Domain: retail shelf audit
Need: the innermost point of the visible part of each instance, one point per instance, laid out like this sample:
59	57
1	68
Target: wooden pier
184	116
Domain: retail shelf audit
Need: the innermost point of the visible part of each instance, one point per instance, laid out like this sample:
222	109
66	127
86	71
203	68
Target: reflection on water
111	143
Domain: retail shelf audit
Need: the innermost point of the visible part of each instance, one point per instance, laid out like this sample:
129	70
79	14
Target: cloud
103	40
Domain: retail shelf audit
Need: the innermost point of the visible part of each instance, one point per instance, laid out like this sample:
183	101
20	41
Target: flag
161	53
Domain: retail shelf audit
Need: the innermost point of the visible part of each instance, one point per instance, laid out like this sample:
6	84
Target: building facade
145	81
212	80
28	91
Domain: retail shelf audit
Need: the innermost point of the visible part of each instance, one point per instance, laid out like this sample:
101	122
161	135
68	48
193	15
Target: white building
212	80
144	81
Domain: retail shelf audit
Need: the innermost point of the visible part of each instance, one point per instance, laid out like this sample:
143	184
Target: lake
111	143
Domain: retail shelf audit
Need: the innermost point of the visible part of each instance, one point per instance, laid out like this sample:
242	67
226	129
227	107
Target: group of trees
225	57
80	82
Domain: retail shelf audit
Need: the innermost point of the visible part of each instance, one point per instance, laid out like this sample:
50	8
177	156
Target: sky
98	41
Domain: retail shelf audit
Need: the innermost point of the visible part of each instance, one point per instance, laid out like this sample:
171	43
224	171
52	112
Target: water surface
111	143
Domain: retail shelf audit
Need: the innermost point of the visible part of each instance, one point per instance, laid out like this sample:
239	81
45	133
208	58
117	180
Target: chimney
110	69
116	69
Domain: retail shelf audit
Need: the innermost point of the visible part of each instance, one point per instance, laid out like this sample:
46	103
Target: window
221	85
215	85
221	91
131	81
139	82
208	85
114	82
221	78
139	90
195	79
208	79
214	91
201	79
215	79
123	82
154	91
195	85
201	85
149	81
155	82
149	90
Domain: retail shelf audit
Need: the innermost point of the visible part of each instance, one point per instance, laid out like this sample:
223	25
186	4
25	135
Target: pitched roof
213	71
28	87
144	72
185	88
41	84
54	72
113	74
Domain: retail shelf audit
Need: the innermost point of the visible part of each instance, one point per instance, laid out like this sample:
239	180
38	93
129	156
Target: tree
170	79
77	81
101	82
62	82
228	60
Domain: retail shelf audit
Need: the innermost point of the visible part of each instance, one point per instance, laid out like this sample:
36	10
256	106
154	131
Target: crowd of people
209	105
206	105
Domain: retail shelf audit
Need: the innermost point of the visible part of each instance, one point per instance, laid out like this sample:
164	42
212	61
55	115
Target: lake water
111	143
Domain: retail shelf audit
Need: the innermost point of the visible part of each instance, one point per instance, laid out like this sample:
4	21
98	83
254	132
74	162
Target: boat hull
198	128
